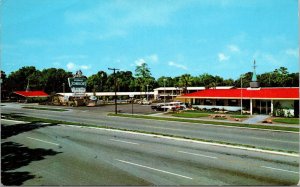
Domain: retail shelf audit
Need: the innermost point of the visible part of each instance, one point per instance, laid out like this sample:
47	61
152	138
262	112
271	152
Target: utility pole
147	91
115	82
63	88
242	76
165	94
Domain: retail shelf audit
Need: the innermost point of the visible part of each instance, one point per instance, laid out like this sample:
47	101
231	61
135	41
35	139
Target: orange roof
32	93
237	93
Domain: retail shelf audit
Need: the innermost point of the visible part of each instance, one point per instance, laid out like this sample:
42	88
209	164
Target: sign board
77	84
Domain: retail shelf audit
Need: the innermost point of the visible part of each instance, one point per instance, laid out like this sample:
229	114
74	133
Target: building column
267	107
251	107
259	106
272	107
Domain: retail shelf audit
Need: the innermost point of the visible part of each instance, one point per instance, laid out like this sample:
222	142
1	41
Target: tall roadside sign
77	84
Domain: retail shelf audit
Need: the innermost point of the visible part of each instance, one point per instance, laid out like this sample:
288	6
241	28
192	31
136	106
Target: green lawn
287	120
40	108
239	116
190	115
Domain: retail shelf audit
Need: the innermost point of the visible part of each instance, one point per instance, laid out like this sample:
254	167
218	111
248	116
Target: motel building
278	101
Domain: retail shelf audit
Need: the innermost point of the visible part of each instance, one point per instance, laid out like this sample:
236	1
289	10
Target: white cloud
85	67
223	57
153	58
148	59
292	52
72	66
140	61
171	63
233	48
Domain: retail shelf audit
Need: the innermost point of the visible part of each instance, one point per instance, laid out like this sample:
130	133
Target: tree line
53	80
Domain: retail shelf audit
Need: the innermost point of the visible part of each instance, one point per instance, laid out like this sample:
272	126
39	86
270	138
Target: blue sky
219	37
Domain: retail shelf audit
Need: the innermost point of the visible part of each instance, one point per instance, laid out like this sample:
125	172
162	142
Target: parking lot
122	108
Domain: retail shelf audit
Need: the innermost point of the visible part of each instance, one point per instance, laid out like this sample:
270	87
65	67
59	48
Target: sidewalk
251	121
255	119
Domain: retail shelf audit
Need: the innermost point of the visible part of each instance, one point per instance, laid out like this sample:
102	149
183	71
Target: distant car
168	106
145	102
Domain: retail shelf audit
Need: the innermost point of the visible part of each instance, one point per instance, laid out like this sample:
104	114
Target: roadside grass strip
239	116
254	126
287	120
41	108
191	115
163	135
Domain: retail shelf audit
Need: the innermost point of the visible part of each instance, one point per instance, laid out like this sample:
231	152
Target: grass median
41	108
254	126
55	122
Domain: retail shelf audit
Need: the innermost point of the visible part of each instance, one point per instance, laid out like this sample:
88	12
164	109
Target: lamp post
242	94
115	82
165	94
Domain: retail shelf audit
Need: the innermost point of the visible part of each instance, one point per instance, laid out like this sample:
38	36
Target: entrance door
262	106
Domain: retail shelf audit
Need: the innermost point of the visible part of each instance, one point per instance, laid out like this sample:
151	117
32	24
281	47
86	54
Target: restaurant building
278	101
250	100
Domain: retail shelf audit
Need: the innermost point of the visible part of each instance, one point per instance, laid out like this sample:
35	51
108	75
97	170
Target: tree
206	80
97	81
246	78
185	81
4	92
143	75
52	80
169	81
18	80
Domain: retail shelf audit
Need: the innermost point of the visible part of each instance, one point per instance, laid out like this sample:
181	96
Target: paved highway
287	141
87	156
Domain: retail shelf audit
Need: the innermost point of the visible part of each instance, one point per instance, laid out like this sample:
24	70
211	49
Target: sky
174	37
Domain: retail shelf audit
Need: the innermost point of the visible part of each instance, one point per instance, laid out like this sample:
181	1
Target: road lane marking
154	169
43	141
197	154
14	120
166	128
124	141
279	169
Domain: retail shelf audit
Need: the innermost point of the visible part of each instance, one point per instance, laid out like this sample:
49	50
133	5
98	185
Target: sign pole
114	69
131	95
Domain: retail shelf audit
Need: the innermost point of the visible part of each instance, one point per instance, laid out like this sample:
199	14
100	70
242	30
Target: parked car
169	106
144	102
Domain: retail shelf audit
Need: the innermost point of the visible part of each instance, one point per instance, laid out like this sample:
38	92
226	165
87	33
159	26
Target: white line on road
279	169
197	154
154	169
43	141
124	141
14	120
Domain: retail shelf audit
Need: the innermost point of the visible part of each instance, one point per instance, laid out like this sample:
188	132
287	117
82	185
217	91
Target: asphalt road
64	155
287	141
